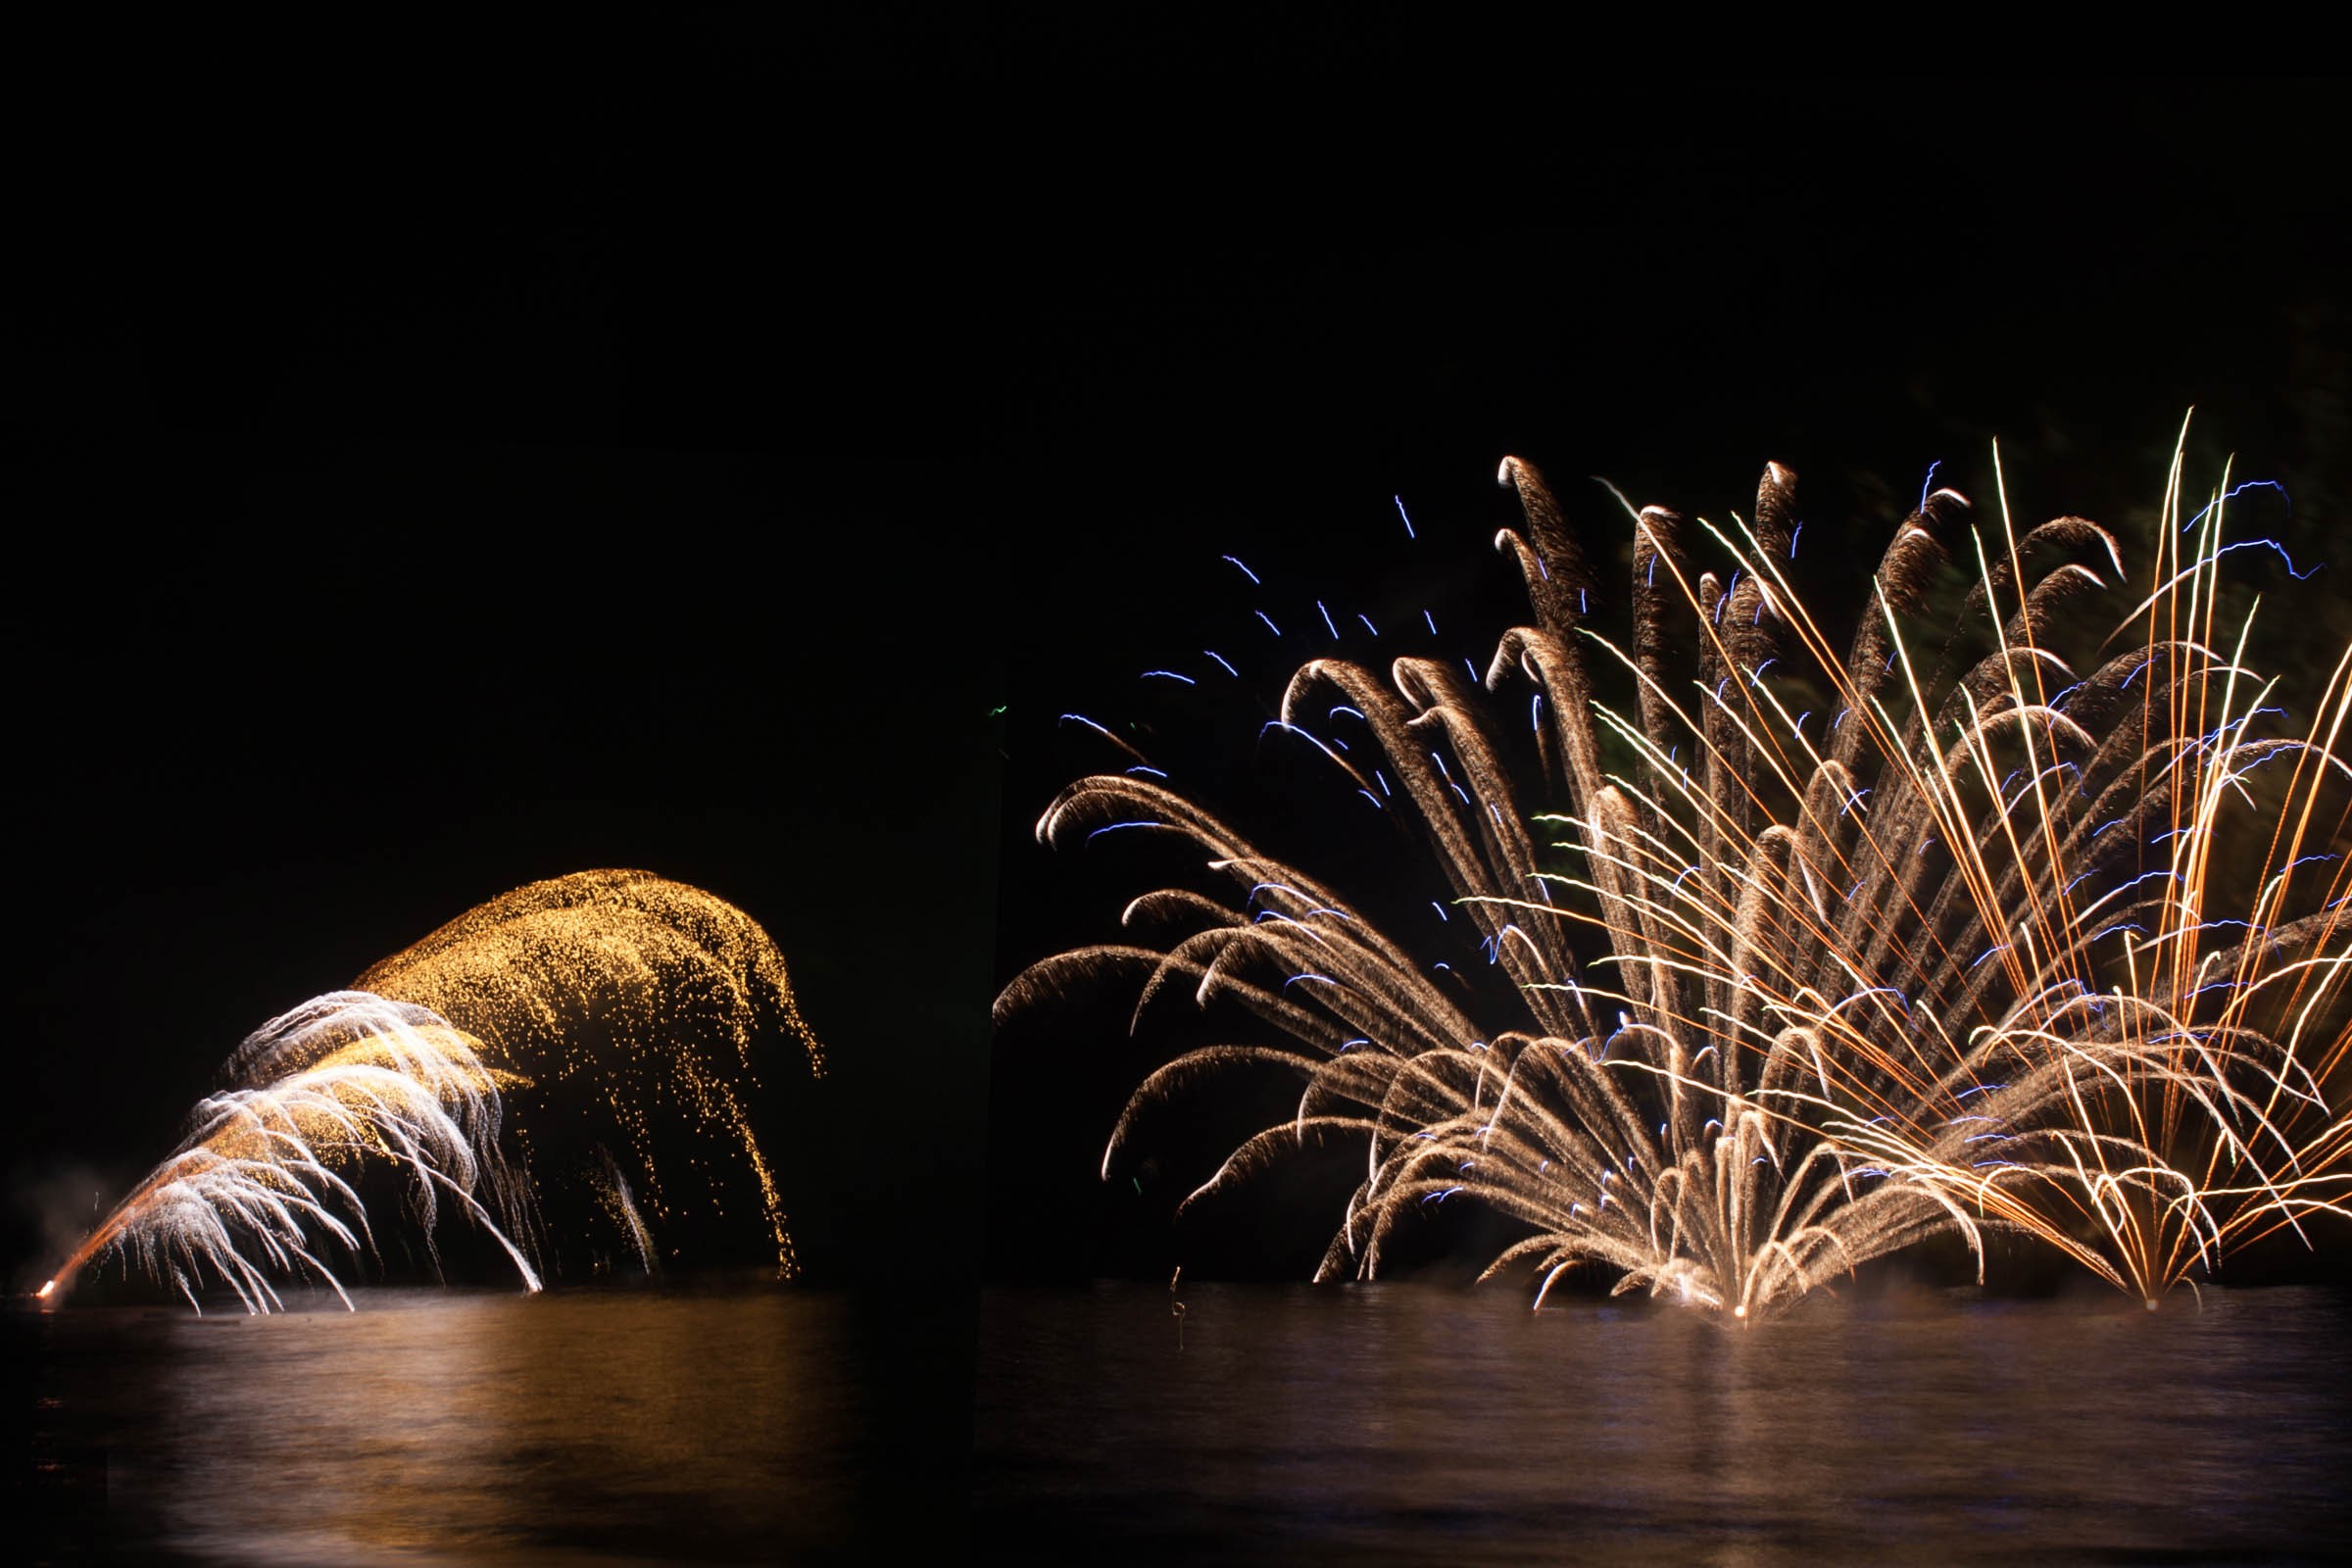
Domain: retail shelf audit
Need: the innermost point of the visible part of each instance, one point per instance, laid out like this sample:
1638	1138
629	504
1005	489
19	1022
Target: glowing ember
635	991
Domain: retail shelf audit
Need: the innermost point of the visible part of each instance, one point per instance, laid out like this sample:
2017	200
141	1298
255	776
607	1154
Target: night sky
633	450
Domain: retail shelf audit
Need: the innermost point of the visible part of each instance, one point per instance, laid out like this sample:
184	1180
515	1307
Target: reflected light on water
457	1427
1404	1424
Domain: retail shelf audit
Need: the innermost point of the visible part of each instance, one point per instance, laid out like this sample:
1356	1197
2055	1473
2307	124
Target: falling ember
626	991
1793	998
633	991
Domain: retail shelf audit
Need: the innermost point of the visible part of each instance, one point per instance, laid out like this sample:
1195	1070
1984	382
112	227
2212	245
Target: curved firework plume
568	1019
1815	956
615	994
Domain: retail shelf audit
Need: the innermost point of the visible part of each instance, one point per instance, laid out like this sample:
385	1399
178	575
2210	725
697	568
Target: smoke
52	1210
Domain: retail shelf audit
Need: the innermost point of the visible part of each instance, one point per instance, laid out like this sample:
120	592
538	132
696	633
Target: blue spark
2143	877
1246	571
2233	495
2272	544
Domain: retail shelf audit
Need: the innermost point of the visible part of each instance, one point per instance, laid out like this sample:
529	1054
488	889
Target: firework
342	1080
620	996
467	1062
1815	957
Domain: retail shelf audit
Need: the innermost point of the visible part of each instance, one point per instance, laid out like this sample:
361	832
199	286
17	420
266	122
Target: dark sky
464	466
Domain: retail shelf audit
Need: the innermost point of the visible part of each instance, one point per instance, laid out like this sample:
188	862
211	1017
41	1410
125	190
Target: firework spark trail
643	992
343	1078
1934	971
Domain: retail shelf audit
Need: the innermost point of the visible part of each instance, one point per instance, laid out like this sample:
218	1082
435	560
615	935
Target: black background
448	462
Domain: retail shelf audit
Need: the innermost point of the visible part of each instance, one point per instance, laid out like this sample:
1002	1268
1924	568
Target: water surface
1392	1423
466	1426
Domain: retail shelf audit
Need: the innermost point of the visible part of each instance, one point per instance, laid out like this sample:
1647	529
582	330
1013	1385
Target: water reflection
454	1427
1393	1423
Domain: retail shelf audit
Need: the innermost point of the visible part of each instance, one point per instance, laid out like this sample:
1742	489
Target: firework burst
610	995
1814	957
